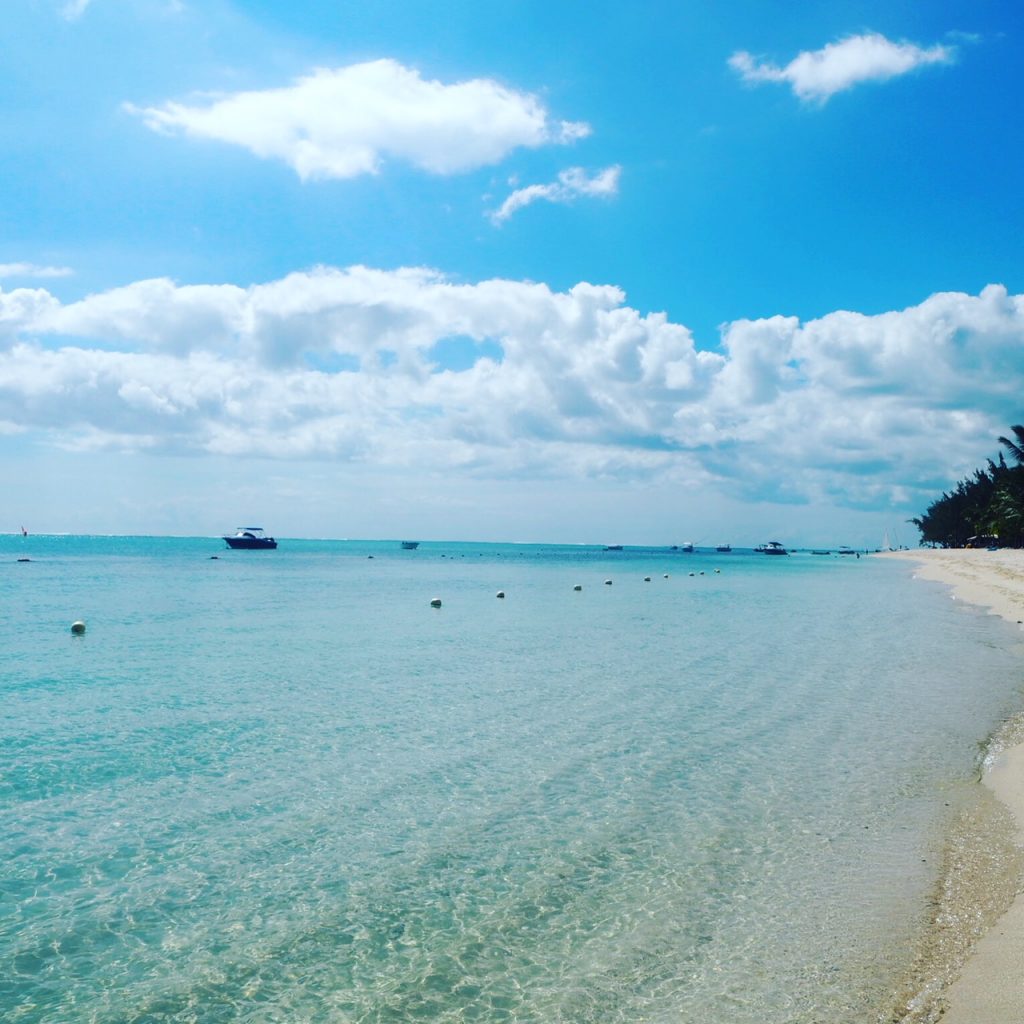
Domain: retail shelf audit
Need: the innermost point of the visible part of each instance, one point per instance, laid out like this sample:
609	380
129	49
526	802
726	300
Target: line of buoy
436	602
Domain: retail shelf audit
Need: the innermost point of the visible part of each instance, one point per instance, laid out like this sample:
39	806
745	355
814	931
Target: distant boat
687	548
613	547
773	547
724	548
250	538
844	550
821	552
410	545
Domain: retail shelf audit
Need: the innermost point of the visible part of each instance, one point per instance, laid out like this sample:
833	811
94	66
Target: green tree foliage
989	503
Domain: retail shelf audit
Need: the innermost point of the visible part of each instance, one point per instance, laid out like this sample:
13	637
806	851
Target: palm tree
1007	511
1015	448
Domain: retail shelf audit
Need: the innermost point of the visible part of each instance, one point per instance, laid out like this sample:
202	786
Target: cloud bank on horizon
817	75
342	364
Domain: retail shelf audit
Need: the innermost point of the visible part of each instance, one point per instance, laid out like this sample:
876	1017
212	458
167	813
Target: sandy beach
990	989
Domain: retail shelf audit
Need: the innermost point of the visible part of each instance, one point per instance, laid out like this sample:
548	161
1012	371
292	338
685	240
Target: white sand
990	990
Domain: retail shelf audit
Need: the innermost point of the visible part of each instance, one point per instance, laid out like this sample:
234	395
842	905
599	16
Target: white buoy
718	570
607	583
647	579
500	593
665	577
693	574
78	627
577	587
435	602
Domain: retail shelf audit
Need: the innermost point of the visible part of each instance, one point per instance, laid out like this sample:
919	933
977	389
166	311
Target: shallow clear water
278	786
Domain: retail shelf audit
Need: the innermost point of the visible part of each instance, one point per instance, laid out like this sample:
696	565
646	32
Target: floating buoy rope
436	601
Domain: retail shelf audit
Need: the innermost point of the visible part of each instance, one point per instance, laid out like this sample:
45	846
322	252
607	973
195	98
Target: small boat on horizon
724	548
410	545
773	547
613	547
250	538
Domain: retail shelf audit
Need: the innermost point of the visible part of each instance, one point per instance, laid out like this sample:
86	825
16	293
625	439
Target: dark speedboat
250	538
773	547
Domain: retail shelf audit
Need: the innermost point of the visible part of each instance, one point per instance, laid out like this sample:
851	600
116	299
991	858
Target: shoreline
989	988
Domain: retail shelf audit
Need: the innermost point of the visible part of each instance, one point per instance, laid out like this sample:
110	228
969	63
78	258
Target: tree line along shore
985	509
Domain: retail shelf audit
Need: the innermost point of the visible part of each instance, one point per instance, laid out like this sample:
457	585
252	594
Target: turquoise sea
280	787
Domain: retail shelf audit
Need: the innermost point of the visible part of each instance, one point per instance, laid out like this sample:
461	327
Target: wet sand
990	988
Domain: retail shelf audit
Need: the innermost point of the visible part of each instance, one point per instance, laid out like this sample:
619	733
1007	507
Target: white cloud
74	9
820	74
572	183
344	122
32	270
24	309
339	365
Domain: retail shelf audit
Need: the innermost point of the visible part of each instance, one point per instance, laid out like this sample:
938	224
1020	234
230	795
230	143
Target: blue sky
530	271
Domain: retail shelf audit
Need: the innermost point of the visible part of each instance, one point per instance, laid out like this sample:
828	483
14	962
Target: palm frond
1015	448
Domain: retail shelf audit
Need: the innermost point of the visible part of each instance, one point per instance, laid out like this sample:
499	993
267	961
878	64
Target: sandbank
990	989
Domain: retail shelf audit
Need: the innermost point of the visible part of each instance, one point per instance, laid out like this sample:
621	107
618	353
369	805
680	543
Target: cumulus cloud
343	364
571	184
817	75
24	309
32	270
344	122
